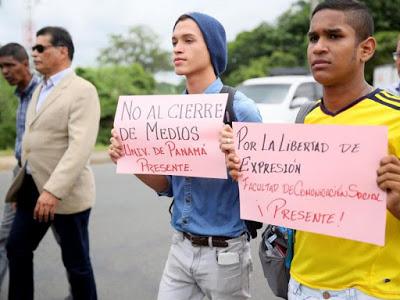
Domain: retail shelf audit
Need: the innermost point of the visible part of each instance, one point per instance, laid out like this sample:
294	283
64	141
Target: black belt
216	241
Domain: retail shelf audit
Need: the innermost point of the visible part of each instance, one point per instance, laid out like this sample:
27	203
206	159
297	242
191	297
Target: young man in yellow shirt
324	267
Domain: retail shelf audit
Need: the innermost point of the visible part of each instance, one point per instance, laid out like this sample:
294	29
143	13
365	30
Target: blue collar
28	90
213	88
56	78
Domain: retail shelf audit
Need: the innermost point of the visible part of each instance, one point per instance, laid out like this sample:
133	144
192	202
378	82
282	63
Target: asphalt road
130	237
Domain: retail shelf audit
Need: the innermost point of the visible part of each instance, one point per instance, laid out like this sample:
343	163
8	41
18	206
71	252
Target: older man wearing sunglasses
55	185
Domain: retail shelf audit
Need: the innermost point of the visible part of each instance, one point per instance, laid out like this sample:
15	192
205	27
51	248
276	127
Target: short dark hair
181	18
357	14
14	50
59	37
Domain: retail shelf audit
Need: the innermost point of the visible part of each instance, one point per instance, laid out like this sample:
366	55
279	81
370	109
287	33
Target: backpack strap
304	110
301	115
290	248
230	115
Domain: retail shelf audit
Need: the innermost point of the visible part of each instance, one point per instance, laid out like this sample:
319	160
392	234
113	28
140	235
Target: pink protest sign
318	178
171	135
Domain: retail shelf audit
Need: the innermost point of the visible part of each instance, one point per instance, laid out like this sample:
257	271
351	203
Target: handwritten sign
171	135
317	178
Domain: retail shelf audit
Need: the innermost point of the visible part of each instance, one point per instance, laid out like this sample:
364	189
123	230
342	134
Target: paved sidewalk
98	157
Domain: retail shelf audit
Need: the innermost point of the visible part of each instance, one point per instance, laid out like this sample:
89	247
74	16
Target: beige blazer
57	144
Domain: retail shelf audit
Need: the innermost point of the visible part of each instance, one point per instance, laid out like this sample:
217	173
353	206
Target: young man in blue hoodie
210	252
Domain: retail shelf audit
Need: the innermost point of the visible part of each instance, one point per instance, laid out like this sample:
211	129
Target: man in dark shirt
14	66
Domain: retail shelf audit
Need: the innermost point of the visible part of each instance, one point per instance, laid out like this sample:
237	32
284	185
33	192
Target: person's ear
367	48
64	51
25	62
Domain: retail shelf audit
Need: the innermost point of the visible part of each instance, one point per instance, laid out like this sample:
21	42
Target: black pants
25	236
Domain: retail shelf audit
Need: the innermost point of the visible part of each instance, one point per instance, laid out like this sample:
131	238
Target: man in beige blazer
55	185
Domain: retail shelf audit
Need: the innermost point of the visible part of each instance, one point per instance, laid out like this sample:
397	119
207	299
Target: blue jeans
297	291
25	236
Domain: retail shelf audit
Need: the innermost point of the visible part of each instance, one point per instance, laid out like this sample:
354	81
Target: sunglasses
396	55
40	48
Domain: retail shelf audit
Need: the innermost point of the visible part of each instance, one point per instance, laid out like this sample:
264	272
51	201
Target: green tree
292	28
250	45
257	67
254	53
8	106
387	27
111	82
140	45
261	66
386	44
385	14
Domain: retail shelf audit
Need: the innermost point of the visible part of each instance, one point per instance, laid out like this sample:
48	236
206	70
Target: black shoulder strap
229	117
229	112
304	110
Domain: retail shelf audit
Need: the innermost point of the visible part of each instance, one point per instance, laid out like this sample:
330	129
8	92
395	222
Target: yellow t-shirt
324	262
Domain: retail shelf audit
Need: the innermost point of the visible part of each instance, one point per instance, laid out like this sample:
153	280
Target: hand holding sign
227	146
316	178
115	150
171	135
389	179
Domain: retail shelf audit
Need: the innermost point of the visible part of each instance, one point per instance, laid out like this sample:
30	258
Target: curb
9	162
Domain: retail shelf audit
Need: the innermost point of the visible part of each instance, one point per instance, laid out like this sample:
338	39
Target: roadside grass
6	152
10	152
100	148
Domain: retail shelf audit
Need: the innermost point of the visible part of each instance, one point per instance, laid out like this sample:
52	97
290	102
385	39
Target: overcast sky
91	21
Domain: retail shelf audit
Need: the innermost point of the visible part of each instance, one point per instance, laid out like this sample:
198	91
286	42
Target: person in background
55	185
14	66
